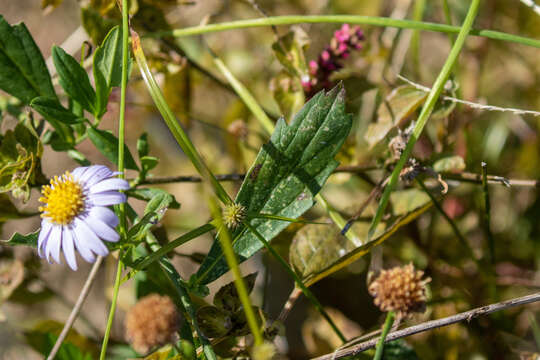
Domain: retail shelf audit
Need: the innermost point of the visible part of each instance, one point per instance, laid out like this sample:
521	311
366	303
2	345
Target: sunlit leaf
318	250
287	174
449	164
399	105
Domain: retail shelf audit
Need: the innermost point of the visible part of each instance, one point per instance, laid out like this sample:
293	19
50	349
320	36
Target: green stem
339	19
418	13
297	280
426	112
386	329
173	125
122	207
246	96
226	245
112	311
184	301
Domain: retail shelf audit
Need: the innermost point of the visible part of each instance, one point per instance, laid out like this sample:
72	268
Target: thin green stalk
340	19
112	311
386	329
448	19
185	303
122	207
224	237
297	280
487	212
426	112
172	123
452	224
418	14
245	95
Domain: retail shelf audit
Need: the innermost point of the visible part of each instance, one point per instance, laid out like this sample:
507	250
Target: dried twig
429	325
77	308
473	104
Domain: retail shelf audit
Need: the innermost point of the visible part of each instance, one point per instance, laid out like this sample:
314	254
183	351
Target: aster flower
75	214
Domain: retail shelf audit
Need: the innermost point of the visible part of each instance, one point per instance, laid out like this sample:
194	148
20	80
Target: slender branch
386	328
470	103
77	308
429	325
340	19
492	179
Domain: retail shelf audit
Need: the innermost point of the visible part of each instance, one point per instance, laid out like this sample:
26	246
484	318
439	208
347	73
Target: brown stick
429	325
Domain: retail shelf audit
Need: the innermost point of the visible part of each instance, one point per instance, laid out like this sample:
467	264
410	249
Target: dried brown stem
429	325
77	308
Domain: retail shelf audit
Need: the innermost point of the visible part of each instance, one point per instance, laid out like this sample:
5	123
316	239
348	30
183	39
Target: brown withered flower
152	321
400	289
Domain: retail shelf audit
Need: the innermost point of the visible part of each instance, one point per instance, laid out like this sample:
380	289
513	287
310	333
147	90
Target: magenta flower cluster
344	41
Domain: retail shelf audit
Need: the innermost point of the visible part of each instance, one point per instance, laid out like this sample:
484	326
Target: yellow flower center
63	199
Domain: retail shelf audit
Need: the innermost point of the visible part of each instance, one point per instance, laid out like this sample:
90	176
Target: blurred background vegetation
489	72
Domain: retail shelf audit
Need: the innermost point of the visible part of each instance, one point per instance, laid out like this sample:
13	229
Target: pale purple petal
101	229
90	238
106	198
53	244
46	227
81	246
69	248
78	172
95	174
104	214
109	185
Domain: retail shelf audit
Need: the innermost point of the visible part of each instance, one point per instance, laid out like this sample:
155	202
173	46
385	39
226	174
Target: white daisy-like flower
75	214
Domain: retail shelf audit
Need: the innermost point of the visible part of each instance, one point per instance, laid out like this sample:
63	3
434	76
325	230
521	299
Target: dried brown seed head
152	321
400	289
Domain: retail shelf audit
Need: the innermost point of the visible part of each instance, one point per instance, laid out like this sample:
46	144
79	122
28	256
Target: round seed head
233	215
152	321
400	289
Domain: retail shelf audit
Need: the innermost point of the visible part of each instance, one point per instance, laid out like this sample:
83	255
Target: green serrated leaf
23	72
227	296
19	239
107	67
107	144
74	79
52	110
287	174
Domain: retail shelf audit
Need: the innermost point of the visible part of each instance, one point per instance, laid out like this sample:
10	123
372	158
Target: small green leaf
52	110
289	50
74	79
149	162
227	296
142	145
153	213
287	174
107	144
449	164
19	239
107	67
23	72
147	194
